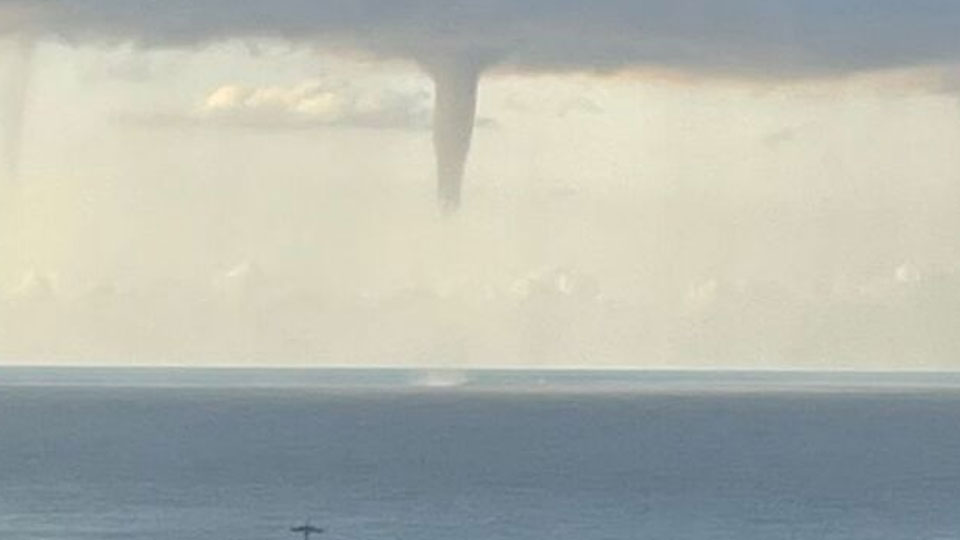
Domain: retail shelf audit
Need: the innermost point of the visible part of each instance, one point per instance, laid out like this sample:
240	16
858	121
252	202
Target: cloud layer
753	37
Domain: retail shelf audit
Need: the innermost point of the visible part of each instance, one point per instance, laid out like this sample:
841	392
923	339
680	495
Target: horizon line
517	368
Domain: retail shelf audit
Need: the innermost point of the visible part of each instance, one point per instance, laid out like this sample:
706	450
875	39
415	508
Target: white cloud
313	103
908	273
243	280
310	101
35	285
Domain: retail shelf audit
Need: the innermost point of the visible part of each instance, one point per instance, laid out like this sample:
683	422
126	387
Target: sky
752	185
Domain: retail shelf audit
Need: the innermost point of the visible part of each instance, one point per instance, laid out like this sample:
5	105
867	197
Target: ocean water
188	456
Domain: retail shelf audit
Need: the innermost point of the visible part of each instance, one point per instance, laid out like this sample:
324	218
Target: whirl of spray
454	117
16	56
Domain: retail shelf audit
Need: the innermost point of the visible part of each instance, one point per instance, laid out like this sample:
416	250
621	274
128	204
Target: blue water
387	461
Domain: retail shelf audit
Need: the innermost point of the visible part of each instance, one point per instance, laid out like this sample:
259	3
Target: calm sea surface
137	459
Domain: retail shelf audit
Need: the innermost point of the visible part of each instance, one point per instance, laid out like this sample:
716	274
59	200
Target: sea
441	454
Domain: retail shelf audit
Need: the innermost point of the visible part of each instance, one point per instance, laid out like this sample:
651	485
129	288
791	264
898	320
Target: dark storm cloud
750	37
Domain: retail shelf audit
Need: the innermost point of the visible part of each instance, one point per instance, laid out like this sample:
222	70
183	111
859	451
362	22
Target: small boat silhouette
307	529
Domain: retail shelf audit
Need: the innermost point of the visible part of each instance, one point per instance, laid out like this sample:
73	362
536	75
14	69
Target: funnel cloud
454	117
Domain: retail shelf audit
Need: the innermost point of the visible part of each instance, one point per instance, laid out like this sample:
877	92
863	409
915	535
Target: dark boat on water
307	530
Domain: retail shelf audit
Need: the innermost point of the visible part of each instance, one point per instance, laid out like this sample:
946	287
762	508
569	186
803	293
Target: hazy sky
652	184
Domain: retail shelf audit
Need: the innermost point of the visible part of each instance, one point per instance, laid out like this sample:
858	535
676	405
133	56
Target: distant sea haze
440	454
482	379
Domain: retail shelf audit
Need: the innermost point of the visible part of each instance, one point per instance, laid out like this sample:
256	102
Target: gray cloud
750	37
